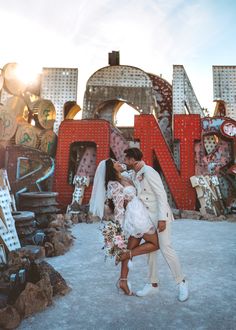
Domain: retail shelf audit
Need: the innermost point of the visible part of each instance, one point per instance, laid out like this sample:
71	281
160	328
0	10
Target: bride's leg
132	244
151	244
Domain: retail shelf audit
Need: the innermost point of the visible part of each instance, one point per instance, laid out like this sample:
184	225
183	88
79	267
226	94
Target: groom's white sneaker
183	291
147	290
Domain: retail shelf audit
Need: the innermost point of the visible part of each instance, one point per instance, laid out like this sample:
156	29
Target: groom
151	191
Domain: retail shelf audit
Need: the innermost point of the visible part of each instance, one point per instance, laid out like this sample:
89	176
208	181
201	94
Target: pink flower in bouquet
119	241
109	244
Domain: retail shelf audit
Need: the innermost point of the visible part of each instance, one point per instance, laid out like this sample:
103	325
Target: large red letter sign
97	131
187	129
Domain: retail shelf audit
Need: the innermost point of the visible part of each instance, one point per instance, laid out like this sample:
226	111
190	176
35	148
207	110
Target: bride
128	210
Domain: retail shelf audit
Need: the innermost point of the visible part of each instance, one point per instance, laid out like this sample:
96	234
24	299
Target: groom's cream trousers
168	254
151	191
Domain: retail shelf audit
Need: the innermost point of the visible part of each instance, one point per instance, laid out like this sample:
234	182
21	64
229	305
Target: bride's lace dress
134	220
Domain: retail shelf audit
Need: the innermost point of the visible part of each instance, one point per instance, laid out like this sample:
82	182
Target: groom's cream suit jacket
151	191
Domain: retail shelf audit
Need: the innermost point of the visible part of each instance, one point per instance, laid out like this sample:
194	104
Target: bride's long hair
111	175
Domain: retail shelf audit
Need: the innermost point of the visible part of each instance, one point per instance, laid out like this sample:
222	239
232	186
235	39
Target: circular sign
48	141
27	135
228	128
46	113
12	83
9	125
16	105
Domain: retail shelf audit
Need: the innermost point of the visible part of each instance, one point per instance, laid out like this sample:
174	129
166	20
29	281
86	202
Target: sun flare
27	73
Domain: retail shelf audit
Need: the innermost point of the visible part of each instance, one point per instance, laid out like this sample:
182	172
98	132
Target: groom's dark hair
135	153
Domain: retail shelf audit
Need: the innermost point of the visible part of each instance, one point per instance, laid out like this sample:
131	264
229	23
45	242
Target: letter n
187	129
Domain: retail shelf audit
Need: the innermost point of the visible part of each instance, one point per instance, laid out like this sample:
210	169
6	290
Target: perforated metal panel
210	143
184	98
59	85
7	224
224	87
118	83
120	76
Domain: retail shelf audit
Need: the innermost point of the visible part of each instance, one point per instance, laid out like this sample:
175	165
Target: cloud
151	34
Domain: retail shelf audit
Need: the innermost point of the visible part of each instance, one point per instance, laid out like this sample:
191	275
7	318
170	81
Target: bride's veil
98	196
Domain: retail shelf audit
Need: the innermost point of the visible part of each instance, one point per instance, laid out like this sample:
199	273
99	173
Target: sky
152	35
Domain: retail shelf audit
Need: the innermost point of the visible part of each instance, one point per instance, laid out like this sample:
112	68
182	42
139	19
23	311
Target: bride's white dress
134	220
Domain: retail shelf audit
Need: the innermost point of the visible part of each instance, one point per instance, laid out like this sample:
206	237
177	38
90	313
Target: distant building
224	86
59	85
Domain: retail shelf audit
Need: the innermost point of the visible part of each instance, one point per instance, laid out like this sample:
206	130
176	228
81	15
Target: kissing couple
139	203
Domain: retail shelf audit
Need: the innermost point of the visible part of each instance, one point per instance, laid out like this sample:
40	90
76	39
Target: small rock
82	217
68	224
31	300
60	217
221	217
3	300
231	217
189	214
57	281
84	208
50	231
49	249
59	223
62	242
68	217
90	218
176	213
9	318
32	252
59	248
45	285
4	286
212	217
74	218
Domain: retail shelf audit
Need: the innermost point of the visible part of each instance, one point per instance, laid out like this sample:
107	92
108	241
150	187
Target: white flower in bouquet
114	239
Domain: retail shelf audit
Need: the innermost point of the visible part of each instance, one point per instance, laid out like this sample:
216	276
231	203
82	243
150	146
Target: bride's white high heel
121	290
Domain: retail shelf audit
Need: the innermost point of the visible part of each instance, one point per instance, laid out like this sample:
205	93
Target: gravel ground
207	251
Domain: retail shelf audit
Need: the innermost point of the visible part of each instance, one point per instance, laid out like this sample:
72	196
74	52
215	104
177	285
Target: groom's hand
161	225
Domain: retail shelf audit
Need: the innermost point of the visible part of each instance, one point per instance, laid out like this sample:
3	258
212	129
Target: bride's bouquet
114	239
